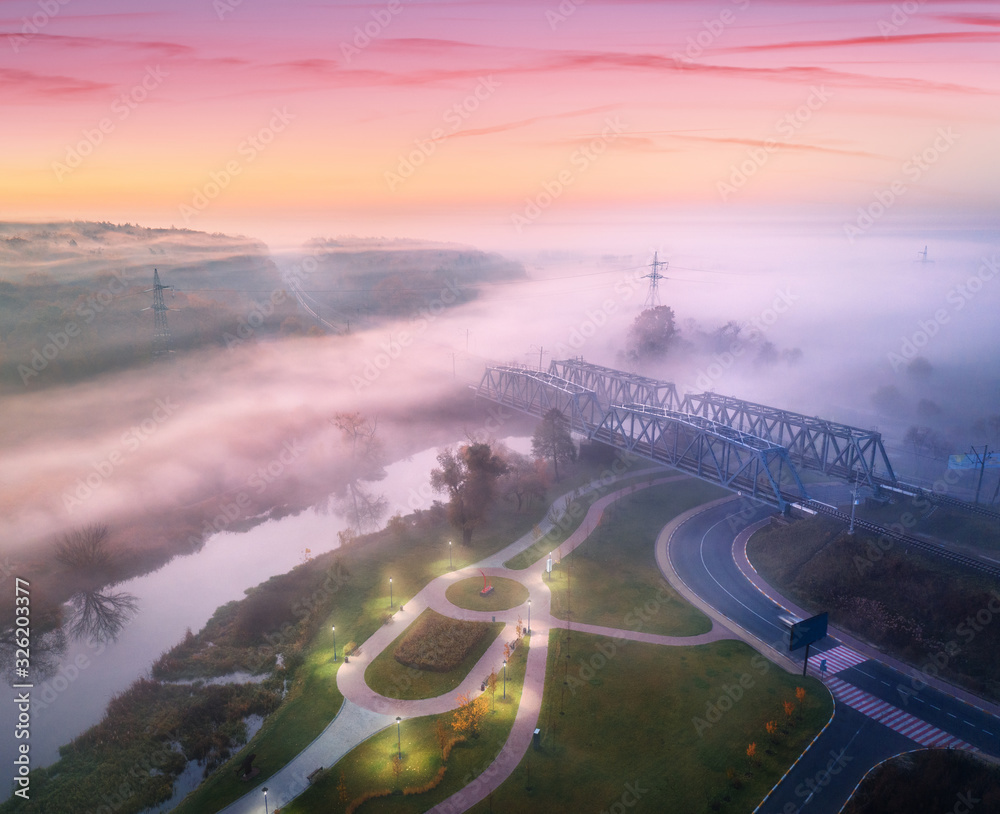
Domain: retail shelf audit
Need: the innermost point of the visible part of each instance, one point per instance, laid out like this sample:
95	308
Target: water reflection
100	616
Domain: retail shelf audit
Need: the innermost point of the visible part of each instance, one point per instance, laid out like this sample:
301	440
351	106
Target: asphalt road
701	551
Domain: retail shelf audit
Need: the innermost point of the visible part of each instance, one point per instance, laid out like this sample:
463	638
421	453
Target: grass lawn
369	766
612	578
629	724
506	594
360	603
388	677
571	519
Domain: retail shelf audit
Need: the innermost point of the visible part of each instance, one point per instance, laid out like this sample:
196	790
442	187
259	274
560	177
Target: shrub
434	782
439	644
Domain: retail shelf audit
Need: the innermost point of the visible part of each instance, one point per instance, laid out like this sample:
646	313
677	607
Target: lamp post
265	799
505	679
399	750
334	629
390	592
529	627
449	554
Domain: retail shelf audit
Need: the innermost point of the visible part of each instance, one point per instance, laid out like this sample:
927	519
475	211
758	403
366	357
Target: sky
512	124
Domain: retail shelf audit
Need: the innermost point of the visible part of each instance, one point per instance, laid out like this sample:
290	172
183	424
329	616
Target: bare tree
552	439
86	547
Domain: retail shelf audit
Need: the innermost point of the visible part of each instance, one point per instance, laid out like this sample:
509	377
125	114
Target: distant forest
72	295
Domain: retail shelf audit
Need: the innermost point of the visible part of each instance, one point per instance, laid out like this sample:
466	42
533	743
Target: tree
469	476
652	333
469	714
85	548
752	752
524	479
397	766
552	439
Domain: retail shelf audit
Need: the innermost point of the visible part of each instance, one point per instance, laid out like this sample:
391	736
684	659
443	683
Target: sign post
807	632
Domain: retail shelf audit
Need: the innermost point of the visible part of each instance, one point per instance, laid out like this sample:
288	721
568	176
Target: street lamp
505	679
449	554
529	627
334	629
390	592
265	800
399	751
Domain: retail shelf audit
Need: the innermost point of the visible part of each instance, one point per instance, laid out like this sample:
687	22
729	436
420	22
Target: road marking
896	719
837	660
731	595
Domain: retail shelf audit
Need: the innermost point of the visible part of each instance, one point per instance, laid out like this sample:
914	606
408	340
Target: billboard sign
807	631
964	460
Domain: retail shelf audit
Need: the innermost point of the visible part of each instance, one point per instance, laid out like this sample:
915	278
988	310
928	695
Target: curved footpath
366	712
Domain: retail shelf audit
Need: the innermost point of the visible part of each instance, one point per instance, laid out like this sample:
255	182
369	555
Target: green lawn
388	677
612	578
369	766
507	594
412	555
627	723
360	603
571	519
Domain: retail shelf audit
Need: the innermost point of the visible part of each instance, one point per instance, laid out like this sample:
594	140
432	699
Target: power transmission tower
654	277
981	458
161	333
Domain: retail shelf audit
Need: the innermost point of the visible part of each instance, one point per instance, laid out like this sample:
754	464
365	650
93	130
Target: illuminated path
366	712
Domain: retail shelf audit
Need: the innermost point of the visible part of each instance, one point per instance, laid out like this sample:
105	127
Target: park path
366	712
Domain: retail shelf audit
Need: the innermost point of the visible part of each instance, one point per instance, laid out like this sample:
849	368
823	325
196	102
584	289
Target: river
183	594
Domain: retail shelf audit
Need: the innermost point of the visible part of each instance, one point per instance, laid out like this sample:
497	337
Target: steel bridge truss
812	443
617	387
692	444
706	449
536	393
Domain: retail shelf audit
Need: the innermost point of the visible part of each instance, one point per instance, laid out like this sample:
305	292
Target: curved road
881	708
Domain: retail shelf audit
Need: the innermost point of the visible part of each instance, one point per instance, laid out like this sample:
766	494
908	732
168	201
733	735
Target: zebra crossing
837	659
902	722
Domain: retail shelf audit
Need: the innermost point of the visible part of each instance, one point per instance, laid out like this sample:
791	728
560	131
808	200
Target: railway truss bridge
752	449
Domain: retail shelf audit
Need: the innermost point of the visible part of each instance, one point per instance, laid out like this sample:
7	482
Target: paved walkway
352	725
365	712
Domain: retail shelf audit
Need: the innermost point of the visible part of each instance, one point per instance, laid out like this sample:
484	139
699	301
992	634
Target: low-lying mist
866	334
